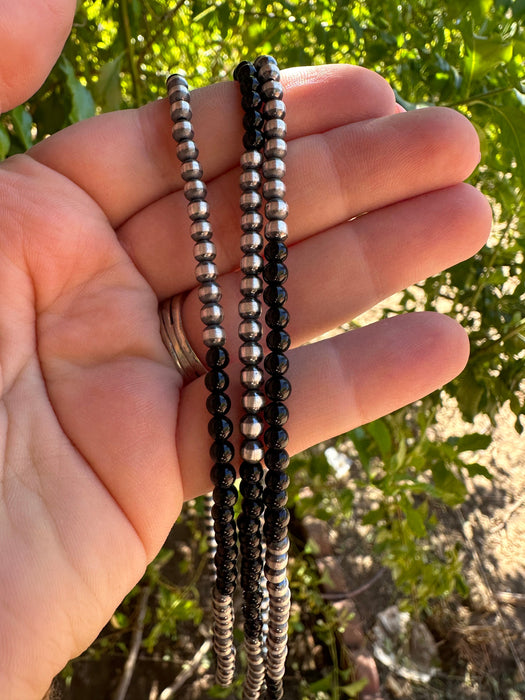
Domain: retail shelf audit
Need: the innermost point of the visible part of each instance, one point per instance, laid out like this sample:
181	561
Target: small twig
509	598
508	515
357	591
186	673
136	640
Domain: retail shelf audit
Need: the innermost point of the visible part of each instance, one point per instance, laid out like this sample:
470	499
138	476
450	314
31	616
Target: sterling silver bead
276	209
182	130
180	109
206	272
252	451
201	230
252	377
249	330
177	92
275	129
209	292
251	160
250	200
198	209
251	426
191	170
274	109
195	189
204	250
251	242
250	353
250	179
251	264
249	308
251	221
277	230
253	401
212	314
275	168
275	148
272	90
187	150
251	286
269	71
274	189
213	336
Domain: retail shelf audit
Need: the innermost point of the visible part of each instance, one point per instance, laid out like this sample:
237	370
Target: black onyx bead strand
216	380
277	386
251	355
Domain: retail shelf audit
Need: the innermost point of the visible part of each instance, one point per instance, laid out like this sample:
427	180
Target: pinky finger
340	383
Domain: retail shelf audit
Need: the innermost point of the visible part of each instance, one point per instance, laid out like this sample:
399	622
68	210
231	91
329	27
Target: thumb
32	34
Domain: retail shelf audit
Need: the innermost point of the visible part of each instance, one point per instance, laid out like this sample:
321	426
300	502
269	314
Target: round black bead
221	451
248	84
278	388
276	251
220	427
277	317
216	380
276	436
225	532
252	629
275	272
274	688
228	553
217	357
277	480
275	413
275	534
248	523
278	340
276	458
226	587
262	59
226	497
251	101
275	295
250	490
254	597
218	403
251	577
275	499
222	475
243	69
251	471
222	515
276	363
253	119
225	565
276	517
253	140
250	612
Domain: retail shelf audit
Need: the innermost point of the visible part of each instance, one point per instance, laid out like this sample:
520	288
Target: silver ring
175	340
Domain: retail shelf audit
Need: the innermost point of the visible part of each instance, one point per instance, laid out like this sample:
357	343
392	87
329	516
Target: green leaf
486	54
471	442
5	142
22	124
378	429
107	90
82	103
475	469
416	522
354	688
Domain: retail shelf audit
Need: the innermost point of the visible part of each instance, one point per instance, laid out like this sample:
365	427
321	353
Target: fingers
331	177
340	383
127	160
340	273
31	36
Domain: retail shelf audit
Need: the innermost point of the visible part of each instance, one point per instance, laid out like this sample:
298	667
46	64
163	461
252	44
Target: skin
101	439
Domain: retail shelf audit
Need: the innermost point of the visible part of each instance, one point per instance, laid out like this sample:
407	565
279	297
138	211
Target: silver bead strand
213	337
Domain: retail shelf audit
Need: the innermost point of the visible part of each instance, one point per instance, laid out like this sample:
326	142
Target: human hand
102	441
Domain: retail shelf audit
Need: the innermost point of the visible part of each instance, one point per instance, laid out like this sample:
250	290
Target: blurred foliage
467	55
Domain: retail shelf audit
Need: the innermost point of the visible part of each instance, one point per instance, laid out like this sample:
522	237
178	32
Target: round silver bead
182	130
279	547
250	353
251	160
251	242
212	314
251	426
213	336
191	170
278	590
269	71
177	92
195	189
274	189
249	330
251	286
277	560
274	575
276	229
206	272
250	200
274	168
187	150
274	109
275	148
272	90
252	451
201	230
180	109
250	179
275	129
253	401
252	377
199	209
204	250
276	209
249	308
209	292
251	221
251	264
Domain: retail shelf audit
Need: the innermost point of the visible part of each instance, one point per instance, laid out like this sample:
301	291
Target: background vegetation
467	55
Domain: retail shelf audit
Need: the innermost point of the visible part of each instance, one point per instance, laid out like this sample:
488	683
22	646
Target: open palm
101	440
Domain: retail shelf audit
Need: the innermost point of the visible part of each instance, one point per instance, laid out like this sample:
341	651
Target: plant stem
138	631
479	97
484	349
135	78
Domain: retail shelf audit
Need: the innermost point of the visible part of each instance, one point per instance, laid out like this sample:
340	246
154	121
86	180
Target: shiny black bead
275	499
221	451
218	404
276	518
251	101
253	629
275	272
250	612
275	295
227	577
276	436
226	587
276	458
262	59
249	524
226	497
278	388
251	491
275	251
228	553
251	471
223	475
274	535
275	413
243	69
251	549
222	515
254	597
253	140
216	380
278	340
253	119
217	357
276	363
251	578
274	688
225	532
220	427
277	480
224	565
248	84
277	317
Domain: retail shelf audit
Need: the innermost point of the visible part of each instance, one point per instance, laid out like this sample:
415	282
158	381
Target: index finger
126	160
